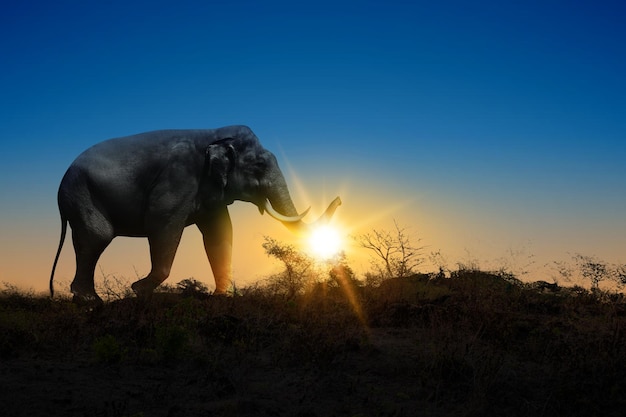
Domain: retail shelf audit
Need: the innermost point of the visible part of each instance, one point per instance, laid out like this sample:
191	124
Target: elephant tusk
295	223
281	217
328	214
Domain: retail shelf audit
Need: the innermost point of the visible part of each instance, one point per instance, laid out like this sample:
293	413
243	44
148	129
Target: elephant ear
219	162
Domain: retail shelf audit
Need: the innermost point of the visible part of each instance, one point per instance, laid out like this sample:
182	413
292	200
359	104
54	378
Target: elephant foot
88	300
144	288
85	296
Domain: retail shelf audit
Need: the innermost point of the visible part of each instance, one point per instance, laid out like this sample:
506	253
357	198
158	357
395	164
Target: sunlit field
466	343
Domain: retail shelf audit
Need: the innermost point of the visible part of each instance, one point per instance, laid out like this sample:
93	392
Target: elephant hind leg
163	246
88	246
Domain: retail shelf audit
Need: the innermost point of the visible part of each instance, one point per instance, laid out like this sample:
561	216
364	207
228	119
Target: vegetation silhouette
473	343
394	253
314	340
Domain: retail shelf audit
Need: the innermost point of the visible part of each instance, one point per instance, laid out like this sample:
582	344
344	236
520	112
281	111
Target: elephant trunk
280	206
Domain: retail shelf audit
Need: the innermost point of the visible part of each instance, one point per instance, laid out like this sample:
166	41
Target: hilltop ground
474	344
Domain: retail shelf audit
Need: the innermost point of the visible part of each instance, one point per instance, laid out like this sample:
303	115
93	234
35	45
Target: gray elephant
154	185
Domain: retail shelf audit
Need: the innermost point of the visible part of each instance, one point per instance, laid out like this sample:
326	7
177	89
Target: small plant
440	261
191	287
107	350
171	341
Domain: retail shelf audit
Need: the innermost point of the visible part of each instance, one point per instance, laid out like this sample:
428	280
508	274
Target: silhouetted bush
192	288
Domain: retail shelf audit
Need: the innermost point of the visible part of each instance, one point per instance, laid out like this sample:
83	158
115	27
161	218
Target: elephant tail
56	258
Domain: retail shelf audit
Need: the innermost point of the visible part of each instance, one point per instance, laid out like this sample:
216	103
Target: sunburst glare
325	242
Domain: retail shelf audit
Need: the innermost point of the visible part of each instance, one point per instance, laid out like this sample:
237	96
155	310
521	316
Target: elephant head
241	169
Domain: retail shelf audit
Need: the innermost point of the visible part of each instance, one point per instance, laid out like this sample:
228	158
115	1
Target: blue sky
491	124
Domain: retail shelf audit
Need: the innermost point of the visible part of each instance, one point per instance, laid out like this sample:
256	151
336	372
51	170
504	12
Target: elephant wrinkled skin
155	184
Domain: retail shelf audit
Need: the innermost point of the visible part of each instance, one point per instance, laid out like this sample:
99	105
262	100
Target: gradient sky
487	127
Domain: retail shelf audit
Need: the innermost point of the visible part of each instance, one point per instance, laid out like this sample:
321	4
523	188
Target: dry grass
470	345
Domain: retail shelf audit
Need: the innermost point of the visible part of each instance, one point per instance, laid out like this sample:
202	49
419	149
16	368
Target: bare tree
597	270
394	255
592	269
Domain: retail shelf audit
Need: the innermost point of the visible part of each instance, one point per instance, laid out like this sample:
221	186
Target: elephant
155	184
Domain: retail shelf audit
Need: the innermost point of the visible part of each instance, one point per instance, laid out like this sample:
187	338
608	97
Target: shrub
171	341
298	268
107	349
191	287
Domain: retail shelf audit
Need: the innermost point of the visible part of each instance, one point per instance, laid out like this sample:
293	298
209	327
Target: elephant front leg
217	234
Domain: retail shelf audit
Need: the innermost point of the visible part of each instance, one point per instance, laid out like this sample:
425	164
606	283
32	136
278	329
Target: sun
325	242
